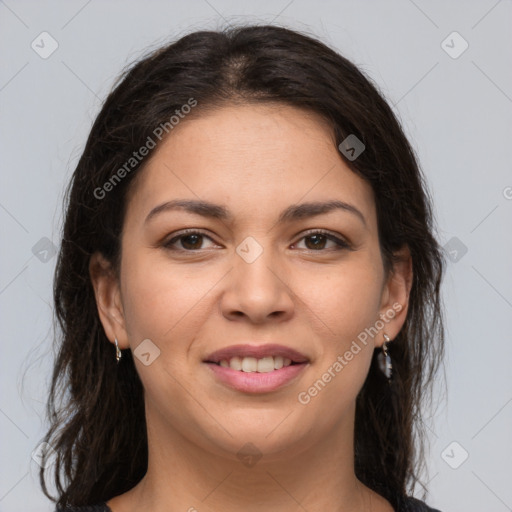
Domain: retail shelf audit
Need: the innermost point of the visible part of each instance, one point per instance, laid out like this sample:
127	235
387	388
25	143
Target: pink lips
255	382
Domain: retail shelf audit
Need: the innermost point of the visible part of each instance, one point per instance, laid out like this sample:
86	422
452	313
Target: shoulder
99	507
414	505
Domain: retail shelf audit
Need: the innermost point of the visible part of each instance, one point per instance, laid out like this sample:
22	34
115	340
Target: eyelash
341	244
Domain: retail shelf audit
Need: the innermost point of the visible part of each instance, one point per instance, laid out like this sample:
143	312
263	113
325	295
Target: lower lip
255	382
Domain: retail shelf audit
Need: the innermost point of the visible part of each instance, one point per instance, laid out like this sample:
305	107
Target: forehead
252	158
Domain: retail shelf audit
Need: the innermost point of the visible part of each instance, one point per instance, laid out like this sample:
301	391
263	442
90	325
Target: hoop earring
118	352
385	359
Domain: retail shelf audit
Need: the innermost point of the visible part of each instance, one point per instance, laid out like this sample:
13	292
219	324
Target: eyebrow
290	214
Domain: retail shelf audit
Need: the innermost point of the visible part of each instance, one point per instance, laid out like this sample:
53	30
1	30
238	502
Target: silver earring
385	359
118	352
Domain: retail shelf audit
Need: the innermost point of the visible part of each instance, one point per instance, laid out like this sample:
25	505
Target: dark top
404	505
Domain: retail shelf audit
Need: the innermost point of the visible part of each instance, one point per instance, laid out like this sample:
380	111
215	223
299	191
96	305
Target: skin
256	160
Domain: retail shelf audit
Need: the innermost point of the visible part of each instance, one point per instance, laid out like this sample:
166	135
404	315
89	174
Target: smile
251	364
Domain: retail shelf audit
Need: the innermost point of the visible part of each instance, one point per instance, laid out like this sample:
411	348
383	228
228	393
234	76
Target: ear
108	299
395	295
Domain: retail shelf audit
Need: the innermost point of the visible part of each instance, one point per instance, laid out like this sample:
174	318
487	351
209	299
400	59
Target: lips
256	351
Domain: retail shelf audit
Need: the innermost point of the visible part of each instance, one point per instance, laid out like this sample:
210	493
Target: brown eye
188	241
317	241
191	241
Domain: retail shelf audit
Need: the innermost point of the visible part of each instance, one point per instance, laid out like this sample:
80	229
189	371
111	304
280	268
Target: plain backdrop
455	103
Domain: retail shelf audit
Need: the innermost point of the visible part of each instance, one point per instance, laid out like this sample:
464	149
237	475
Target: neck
184	476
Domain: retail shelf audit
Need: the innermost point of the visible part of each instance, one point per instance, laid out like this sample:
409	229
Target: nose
257	291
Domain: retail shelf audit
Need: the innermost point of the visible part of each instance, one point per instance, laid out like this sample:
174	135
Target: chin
273	439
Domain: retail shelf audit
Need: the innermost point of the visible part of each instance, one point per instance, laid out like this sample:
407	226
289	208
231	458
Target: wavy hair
95	409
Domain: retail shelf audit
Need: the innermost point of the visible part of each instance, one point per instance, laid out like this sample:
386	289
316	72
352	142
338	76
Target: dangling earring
385	359
118	352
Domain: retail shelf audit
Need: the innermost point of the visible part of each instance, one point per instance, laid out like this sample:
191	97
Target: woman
248	288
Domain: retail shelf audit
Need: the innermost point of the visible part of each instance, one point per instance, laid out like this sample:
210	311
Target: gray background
456	112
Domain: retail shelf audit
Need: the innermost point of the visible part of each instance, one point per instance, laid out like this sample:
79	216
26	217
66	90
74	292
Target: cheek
160	300
346	297
347	301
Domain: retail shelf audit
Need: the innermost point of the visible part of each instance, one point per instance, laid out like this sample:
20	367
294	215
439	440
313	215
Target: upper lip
257	351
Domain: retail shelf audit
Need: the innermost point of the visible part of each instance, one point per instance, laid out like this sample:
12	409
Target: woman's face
251	277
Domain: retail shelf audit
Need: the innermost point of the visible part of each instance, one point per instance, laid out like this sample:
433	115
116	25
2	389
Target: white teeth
251	364
266	364
235	363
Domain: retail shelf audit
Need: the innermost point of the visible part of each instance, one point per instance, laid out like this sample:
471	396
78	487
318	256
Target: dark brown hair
95	408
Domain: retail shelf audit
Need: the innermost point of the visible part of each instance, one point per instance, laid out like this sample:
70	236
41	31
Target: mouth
256	358
252	364
256	369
